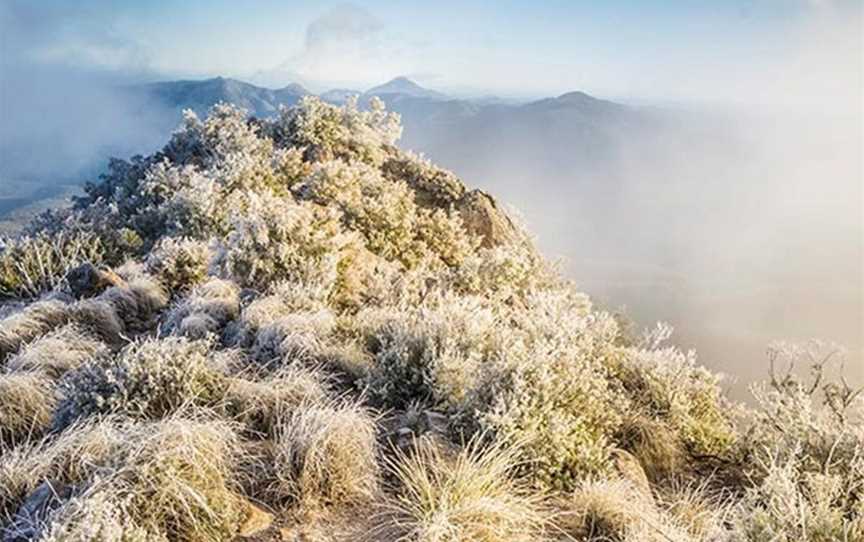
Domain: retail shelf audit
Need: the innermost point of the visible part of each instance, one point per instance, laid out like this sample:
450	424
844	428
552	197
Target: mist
66	109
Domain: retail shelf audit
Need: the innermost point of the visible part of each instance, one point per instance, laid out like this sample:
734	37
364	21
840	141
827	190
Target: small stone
256	521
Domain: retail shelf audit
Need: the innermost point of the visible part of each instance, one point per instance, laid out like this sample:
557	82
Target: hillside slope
290	329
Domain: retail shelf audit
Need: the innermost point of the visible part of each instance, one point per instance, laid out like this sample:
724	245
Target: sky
736	51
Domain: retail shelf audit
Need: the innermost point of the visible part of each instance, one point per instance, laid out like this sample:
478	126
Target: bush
277	239
30	266
148	379
205	310
179	264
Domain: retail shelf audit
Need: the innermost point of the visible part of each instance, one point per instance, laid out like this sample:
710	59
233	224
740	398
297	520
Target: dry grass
472	497
613	510
258	405
29	323
27	401
169	480
57	352
325	454
69	458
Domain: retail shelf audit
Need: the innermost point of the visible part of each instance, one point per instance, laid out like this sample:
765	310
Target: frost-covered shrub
804	452
98	515
205	310
326	131
295	337
276	239
148	379
432	353
432	185
668	386
553	395
30	266
326	454
179	263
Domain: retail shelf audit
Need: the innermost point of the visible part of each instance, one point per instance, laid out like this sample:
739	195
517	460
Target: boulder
482	217
87	280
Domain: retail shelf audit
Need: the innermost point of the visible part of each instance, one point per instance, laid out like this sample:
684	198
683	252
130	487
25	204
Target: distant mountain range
571	130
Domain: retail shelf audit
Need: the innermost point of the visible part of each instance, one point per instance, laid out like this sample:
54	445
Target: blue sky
652	50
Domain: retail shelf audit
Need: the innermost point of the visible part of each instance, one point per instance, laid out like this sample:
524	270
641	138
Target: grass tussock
327	454
472	496
29	323
27	401
57	352
259	405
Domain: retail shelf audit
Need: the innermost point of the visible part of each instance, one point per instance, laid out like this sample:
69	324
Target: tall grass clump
472	496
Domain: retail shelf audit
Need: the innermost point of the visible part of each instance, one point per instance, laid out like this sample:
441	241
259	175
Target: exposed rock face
483	218
87	280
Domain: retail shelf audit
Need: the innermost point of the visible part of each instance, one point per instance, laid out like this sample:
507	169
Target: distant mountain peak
404	86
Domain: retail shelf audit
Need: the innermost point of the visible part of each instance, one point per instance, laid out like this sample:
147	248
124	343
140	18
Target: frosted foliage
301	315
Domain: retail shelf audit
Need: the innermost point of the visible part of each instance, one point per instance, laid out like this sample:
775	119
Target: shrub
804	454
325	454
473	496
148	379
179	264
30	266
205	310
99	515
294	337
325	131
277	239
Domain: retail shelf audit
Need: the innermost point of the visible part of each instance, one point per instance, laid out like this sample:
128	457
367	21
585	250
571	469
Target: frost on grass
285	290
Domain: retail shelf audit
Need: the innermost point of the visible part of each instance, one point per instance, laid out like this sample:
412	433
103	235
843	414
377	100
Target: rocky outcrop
482	217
